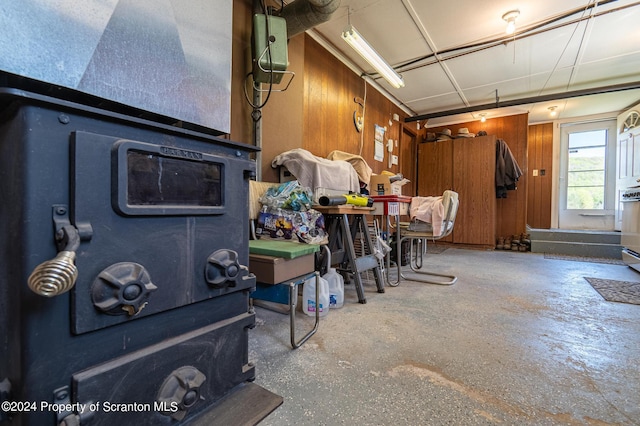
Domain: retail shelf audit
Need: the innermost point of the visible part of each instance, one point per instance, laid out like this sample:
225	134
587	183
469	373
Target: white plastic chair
418	232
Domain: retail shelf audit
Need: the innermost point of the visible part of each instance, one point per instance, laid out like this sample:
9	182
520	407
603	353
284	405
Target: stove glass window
156	180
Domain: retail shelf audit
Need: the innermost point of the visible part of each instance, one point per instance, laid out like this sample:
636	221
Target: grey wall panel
168	57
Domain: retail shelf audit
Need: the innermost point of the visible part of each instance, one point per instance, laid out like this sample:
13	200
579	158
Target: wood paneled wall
316	112
241	122
511	211
408	164
282	116
540	186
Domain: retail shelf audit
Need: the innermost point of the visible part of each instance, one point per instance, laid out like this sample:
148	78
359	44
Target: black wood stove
124	295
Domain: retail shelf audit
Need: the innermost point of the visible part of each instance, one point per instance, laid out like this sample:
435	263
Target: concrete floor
519	339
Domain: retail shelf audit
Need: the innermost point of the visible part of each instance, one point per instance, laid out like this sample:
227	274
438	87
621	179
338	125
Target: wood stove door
168	382
164	223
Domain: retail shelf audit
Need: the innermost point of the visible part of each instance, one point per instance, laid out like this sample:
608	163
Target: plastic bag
289	195
303	226
381	248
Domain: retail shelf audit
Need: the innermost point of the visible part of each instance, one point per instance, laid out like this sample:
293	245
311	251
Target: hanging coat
507	170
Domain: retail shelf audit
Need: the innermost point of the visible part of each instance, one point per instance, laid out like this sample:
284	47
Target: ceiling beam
530	100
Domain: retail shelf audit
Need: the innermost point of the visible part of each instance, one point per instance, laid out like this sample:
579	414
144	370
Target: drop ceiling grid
402	30
386	25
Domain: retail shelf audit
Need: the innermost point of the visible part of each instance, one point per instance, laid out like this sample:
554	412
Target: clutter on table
286	214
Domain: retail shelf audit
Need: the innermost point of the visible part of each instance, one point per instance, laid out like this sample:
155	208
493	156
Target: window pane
587	159
592	138
155	180
586	178
586	170
585	197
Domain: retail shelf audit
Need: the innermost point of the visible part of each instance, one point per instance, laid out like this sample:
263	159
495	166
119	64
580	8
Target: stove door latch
58	275
180	391
224	270
82	413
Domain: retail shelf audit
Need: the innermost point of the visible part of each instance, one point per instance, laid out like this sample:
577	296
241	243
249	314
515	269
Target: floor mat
435	249
616	291
584	258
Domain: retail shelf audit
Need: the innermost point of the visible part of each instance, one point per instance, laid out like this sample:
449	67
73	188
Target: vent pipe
302	15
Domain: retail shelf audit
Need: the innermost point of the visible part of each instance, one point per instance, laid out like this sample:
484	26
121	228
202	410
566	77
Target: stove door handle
58	275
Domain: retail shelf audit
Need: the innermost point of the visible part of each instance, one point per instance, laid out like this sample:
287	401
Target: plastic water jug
309	304
336	288
336	284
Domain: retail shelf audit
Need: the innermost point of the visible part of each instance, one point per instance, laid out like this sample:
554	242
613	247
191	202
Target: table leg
351	256
362	220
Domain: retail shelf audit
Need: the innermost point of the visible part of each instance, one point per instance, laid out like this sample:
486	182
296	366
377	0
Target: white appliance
630	238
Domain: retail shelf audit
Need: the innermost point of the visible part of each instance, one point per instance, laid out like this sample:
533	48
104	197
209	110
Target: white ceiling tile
594	52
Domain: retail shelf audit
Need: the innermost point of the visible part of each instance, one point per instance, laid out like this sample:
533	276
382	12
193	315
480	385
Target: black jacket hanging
507	170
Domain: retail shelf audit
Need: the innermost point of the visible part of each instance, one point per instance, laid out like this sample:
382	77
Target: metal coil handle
55	276
58	275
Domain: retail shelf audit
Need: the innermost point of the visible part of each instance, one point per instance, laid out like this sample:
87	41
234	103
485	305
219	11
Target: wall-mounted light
483	117
552	111
510	18
368	53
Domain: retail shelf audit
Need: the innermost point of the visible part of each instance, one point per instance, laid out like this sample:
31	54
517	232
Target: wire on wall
364	110
256	115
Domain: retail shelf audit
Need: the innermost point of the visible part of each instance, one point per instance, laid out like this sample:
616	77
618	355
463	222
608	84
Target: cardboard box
380	185
275	270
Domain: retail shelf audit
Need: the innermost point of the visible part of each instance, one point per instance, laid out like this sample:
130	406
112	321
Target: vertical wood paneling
435	168
511	213
540	186
535	159
407	154
316	113
473	173
241	122
467	167
282	114
329	93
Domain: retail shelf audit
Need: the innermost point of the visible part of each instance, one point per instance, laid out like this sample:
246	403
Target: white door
628	164
587	175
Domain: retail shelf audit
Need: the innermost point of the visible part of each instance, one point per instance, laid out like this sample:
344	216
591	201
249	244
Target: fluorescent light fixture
510	18
368	53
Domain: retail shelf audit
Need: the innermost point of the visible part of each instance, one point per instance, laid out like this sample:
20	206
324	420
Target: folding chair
418	232
272	252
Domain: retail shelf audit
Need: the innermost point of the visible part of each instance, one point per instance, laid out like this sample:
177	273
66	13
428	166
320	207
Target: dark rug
584	259
616	291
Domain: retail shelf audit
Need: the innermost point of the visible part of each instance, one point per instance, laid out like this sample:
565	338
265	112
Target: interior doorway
408	155
587	175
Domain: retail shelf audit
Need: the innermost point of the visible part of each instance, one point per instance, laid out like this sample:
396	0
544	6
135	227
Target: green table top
284	249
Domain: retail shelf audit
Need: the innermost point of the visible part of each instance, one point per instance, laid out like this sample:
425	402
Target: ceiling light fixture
368	53
510	18
552	111
483	117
